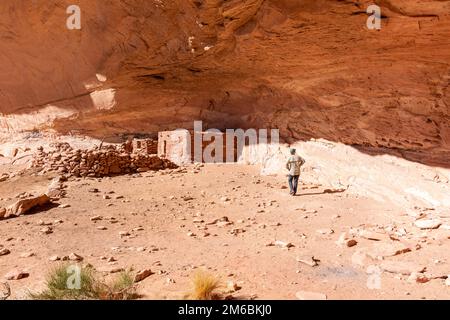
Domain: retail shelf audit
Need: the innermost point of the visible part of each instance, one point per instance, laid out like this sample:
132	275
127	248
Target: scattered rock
16	275
25	205
282	244
142	274
369	235
55	258
309	260
416	277
232	287
110	269
325	231
75	257
351	243
405	268
27	255
427	224
381	250
5	291
4	252
46	230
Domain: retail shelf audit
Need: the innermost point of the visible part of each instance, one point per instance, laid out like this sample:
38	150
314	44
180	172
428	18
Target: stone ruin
99	161
178	146
145	146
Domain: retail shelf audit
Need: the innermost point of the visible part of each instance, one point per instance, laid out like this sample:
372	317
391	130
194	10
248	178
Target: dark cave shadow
433	159
114	128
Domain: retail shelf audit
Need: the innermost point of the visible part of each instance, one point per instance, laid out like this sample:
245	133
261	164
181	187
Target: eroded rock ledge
309	68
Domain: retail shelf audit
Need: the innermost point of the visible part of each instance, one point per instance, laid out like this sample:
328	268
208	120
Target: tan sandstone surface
339	237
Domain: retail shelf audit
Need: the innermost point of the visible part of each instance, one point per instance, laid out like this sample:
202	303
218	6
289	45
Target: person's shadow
326	191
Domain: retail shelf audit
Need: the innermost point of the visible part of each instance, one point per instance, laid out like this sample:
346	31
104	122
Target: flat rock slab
428	224
25	205
382	250
16	275
401	267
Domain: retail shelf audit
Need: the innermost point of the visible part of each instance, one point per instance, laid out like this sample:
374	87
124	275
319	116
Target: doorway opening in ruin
214	146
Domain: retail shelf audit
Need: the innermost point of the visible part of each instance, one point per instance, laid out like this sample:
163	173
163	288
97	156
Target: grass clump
205	286
121	288
72	282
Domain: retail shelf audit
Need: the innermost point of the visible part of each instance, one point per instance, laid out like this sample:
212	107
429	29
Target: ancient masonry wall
97	162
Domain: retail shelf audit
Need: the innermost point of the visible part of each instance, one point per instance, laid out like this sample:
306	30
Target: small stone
46	230
124	233
306	295
325	231
191	234
96	218
5	291
110	269
54	258
102	228
416	277
75	257
351	243
27	255
283	244
232	287
447	281
309	260
405	268
63	206
4	252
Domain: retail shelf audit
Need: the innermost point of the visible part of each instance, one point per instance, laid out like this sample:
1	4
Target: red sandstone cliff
308	67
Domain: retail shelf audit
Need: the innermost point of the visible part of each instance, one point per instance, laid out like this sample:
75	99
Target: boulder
23	206
142	274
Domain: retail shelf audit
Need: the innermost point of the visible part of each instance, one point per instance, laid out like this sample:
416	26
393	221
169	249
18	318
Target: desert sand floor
169	222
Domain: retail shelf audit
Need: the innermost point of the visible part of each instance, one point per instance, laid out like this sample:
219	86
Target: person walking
294	164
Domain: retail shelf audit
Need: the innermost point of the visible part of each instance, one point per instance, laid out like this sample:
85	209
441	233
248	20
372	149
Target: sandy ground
168	206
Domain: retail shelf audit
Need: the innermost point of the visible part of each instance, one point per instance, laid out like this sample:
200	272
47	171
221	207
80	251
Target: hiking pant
293	183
